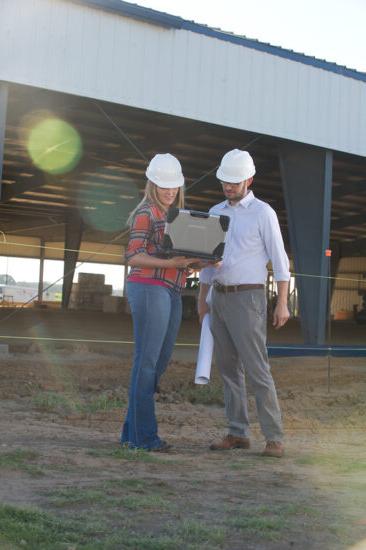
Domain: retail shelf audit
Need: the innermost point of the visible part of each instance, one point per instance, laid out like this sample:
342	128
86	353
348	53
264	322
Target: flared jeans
156	313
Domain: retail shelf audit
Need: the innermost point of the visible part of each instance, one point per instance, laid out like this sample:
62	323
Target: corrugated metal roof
166	20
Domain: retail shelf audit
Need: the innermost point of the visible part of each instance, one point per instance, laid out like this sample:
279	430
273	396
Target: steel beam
307	182
3	112
73	235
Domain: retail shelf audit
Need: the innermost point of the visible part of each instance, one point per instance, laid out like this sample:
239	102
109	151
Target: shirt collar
245	201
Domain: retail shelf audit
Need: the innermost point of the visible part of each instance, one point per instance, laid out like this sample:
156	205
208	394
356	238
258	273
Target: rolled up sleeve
139	235
274	245
206	275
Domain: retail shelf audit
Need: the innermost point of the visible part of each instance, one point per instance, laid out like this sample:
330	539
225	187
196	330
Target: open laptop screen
194	233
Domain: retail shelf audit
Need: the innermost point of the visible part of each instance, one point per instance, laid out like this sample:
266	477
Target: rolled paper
205	352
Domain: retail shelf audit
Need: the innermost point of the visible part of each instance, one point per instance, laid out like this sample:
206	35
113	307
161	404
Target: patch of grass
64	403
131	494
192	531
137	485
37	530
264	527
339	464
134	541
104	402
136	502
21	459
53	402
123	453
263	522
242	465
298	509
76	495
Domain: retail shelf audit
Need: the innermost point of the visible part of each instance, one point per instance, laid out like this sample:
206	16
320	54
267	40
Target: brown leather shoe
274	449
230	442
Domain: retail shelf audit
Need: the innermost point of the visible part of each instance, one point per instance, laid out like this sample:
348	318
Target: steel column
73	235
307	183
41	270
3	112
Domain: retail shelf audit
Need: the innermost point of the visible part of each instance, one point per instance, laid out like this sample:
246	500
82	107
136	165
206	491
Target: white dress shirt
254	237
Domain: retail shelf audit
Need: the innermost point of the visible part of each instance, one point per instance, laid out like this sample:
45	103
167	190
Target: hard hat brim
179	182
222	176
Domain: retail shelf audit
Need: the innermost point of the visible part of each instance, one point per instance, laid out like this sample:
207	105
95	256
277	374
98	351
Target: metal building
132	82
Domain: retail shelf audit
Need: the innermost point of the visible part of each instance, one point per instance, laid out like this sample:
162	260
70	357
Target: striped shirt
146	237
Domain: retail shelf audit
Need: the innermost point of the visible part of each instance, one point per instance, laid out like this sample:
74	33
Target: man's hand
202	306
281	315
202	309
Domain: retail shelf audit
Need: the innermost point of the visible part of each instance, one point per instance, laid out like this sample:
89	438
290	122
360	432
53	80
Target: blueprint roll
205	351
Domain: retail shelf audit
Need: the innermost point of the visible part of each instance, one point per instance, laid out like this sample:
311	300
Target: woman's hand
181	262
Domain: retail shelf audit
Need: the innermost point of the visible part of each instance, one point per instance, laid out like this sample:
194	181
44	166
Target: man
238	309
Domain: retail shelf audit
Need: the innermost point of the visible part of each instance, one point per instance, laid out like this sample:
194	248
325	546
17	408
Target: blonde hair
152	196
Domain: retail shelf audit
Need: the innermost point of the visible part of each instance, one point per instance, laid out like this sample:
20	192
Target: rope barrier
112	254
292	348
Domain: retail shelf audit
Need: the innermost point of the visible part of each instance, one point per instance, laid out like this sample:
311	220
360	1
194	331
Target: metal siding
192	90
76	49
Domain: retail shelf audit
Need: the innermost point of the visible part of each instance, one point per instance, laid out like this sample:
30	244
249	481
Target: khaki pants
239	327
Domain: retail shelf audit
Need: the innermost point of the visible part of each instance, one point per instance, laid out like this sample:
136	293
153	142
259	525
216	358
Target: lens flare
109	209
54	146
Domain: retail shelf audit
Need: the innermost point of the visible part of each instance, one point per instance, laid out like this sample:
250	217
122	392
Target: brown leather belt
235	288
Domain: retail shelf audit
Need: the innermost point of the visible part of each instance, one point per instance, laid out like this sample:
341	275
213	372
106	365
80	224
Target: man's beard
235	198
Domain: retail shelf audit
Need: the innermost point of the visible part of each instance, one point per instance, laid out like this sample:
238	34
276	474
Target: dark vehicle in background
189	298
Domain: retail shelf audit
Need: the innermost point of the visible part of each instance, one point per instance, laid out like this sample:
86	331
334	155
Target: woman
153	290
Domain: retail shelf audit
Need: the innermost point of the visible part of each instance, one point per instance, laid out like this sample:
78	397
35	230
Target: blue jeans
156	313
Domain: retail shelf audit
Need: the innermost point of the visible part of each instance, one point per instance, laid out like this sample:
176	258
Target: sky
27	270
327	29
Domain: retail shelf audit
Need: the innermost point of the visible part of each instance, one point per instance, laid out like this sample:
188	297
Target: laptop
195	234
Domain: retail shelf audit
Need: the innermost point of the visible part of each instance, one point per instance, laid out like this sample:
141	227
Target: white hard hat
165	171
236	166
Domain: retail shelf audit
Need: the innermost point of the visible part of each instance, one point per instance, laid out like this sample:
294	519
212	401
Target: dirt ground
66	483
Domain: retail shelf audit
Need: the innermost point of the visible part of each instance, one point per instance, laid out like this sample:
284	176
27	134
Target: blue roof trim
173	21
135	11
